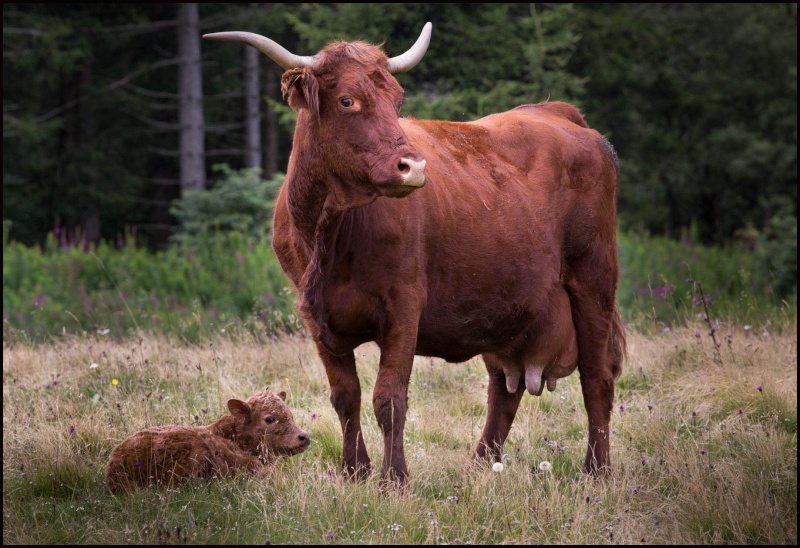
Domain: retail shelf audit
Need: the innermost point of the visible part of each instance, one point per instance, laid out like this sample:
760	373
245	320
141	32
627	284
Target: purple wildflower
240	258
313	416
635	489
703	451
71	430
760	388
667	329
329	534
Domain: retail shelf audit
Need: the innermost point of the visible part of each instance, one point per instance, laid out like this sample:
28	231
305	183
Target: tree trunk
252	107
90	216
190	89
271	152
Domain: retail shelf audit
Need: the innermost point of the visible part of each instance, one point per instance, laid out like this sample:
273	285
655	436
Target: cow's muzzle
412	172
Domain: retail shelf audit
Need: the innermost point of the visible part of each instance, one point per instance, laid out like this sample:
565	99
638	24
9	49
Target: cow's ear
301	89
282	395
238	408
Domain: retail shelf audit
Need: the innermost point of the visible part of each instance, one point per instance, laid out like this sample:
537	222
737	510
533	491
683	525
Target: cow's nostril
403	167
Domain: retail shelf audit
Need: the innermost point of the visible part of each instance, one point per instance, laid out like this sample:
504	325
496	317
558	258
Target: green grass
699	454
233	282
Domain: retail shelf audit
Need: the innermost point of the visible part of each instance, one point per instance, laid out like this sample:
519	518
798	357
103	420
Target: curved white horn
407	61
275	51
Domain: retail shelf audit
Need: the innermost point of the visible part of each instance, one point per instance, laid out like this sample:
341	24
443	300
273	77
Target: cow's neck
306	202
224	427
316	218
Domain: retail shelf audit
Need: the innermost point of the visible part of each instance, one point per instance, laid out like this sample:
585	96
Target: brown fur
509	250
243	441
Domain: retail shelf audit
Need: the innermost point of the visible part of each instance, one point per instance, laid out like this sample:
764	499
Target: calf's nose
305	439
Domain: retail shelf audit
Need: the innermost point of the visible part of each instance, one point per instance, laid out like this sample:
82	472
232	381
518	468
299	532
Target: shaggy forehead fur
269	403
336	54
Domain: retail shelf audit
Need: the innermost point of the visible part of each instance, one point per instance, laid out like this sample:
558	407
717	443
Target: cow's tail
618	346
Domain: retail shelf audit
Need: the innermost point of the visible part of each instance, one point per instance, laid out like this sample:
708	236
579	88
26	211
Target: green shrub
231	280
225	278
241	202
661	281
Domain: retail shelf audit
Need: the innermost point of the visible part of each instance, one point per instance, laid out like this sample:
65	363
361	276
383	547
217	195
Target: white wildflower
545	466
94	366
497	467
104	331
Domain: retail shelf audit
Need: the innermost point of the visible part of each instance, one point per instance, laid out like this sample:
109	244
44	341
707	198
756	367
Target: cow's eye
346	102
269	420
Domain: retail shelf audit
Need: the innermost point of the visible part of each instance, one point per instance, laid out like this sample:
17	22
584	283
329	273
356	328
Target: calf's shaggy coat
253	434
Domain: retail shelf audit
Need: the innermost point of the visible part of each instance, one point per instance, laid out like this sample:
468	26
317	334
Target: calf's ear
282	395
238	408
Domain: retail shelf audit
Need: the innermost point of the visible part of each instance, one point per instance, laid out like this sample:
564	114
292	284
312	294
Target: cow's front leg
346	400
390	398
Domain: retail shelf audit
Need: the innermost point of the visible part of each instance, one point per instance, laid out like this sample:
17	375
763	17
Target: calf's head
265	426
348	135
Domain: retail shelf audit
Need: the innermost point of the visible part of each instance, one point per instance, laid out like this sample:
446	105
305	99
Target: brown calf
250	437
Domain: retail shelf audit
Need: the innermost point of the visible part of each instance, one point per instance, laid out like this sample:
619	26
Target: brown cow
503	244
248	440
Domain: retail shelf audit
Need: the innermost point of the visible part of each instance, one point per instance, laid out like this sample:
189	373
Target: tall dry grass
700	454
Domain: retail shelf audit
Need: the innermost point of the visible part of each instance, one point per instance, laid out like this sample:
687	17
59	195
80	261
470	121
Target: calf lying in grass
248	439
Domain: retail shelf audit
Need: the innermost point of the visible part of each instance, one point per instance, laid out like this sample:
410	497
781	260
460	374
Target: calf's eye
346	102
269	420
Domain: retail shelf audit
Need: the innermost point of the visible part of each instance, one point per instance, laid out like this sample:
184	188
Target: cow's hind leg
598	331
346	400
502	408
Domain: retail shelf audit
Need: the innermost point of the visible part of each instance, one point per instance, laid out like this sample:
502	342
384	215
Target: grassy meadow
102	341
704	446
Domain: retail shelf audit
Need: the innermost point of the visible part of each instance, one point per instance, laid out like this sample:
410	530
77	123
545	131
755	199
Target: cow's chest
348	310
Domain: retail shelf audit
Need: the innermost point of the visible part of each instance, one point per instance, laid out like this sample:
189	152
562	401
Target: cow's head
348	104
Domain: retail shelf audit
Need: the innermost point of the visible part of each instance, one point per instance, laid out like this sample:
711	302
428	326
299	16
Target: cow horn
275	51
407	61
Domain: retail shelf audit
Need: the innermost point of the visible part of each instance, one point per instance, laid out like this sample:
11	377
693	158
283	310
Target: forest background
140	162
